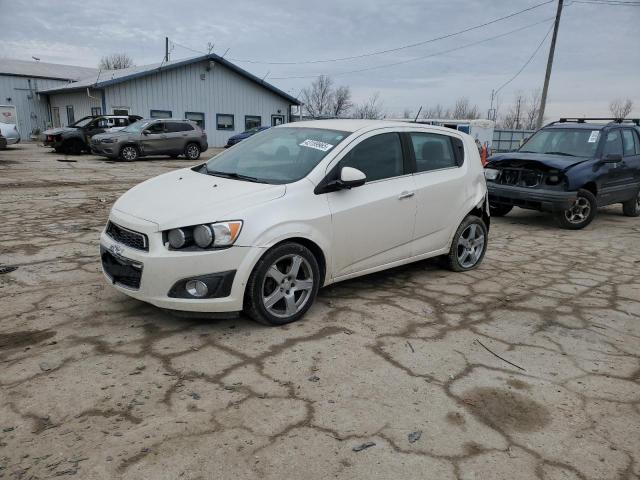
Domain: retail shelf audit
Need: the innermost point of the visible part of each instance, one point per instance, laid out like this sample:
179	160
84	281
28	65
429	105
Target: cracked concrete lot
95	385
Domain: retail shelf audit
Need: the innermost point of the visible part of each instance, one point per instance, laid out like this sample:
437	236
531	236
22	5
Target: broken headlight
491	173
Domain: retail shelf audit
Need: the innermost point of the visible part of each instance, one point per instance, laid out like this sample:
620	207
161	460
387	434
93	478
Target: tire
272	296
468	246
58	149
129	153
192	151
580	214
631	208
499	210
73	147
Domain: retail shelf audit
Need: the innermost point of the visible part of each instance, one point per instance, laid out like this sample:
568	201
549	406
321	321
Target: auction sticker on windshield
324	147
594	136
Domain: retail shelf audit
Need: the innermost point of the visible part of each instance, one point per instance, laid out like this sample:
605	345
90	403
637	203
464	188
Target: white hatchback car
262	226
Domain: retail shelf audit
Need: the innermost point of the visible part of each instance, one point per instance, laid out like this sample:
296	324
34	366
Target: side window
636	137
432	151
157	127
173	127
377	157
612	144
628	143
102	123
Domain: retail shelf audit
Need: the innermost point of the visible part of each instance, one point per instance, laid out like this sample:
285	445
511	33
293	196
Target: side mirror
612	158
145	132
351	177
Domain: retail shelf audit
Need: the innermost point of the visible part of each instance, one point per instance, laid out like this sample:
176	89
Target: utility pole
166	49
552	48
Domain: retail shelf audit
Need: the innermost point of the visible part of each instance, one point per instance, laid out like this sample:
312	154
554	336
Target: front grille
120	270
128	237
520	177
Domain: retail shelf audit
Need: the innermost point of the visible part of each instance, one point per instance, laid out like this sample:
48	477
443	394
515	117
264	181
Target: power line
415	59
395	49
608	2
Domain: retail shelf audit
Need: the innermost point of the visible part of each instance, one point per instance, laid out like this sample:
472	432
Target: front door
373	223
277	120
440	190
155	138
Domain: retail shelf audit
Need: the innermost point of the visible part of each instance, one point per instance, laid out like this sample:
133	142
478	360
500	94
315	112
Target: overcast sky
597	54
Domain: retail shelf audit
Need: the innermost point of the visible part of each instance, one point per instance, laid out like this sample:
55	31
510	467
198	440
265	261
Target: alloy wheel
470	246
129	153
287	286
579	211
192	152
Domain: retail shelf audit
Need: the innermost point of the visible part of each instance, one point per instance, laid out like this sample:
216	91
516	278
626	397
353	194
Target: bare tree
620	108
531	110
463	110
437	111
513	117
341	101
371	109
322	100
115	61
407	113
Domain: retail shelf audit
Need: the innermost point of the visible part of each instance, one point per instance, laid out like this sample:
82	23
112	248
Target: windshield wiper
559	153
236	176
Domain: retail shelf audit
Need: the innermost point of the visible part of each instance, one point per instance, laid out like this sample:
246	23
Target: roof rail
611	120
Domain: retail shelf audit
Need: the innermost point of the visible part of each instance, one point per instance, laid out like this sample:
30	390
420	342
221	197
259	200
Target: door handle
405	194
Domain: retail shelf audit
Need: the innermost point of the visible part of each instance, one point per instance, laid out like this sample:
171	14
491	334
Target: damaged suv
570	168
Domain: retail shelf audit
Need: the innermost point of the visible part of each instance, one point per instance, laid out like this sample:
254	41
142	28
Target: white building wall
182	90
81	102
31	108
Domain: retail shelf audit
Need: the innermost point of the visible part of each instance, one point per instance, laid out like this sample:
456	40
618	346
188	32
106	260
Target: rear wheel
499	210
580	213
631	208
192	151
283	285
468	246
129	153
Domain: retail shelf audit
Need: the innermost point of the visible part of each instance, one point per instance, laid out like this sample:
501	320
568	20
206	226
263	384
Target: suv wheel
192	151
580	214
468	246
129	153
283	285
631	208
73	147
499	210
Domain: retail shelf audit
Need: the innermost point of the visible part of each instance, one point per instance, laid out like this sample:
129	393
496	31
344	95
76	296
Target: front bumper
531	198
161	269
110	150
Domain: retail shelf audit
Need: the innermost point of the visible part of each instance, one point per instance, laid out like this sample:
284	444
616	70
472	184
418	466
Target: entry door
156	139
373	224
56	117
440	189
277	120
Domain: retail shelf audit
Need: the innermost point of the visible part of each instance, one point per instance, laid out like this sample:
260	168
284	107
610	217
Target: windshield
135	127
83	122
578	142
277	155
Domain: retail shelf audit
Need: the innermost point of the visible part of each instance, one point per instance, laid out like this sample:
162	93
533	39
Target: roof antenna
225	52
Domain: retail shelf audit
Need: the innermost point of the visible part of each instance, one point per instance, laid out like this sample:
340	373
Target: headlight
210	235
108	140
491	173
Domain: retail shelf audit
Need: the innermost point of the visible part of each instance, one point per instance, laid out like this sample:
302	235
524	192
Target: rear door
178	134
615	177
153	138
440	182
631	160
373	223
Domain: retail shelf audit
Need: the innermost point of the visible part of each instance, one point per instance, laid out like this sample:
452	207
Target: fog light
196	288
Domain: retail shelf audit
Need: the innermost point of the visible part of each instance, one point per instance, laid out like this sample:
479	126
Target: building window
277	120
121	111
70	118
195	117
95	111
160	113
252	121
56	117
224	121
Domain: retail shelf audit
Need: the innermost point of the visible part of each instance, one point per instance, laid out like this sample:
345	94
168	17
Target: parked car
3	142
75	138
168	136
10	133
241	136
262	226
570	168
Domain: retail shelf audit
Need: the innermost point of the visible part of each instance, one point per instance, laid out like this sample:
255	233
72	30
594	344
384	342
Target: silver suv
146	137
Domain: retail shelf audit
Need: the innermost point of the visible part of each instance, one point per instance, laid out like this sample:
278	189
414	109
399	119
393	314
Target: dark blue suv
570	168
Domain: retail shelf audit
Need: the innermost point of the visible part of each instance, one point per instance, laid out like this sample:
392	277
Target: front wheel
129	153
192	151
580	213
631	208
468	246
283	285
499	210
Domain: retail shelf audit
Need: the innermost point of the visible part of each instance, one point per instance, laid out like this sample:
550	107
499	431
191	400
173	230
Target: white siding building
21	83
209	90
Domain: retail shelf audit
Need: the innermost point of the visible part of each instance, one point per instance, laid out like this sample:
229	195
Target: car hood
58	131
185	197
110	133
520	159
